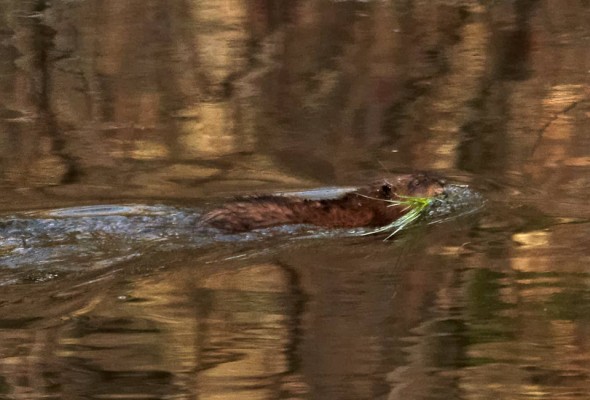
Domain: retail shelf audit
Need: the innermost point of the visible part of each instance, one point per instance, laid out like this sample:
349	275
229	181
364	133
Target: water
121	121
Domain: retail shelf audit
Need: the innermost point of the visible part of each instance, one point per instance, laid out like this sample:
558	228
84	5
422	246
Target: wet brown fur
363	207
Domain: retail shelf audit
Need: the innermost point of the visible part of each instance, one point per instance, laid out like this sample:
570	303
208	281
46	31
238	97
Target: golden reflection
146	150
553	147
221	36
210	133
446	113
532	239
561	97
578	162
243	308
216	78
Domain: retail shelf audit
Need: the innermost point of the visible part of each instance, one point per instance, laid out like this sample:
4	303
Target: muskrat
364	207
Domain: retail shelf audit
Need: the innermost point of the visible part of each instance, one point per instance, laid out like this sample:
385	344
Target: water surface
121	121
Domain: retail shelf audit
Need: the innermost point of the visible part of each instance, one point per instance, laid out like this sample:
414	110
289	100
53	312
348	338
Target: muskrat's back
366	206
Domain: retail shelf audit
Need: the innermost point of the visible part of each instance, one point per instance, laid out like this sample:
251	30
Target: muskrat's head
376	197
415	185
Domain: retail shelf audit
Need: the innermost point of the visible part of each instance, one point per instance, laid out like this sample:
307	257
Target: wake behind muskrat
365	207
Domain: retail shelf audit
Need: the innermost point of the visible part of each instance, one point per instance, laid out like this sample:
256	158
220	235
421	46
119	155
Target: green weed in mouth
414	207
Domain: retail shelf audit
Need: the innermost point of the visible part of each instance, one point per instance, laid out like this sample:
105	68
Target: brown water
121	120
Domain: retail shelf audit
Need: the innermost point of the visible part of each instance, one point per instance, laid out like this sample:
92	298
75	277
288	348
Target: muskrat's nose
436	190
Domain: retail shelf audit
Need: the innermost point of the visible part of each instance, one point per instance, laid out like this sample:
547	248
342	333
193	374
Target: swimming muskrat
364	207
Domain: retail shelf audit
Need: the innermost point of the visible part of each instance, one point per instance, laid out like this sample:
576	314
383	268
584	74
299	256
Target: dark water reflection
171	106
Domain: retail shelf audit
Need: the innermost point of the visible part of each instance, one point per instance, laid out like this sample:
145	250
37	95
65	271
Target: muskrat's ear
385	190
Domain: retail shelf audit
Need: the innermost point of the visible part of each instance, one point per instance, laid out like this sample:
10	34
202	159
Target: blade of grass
415	207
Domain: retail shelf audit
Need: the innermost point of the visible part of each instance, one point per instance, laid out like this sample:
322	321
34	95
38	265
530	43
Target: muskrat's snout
423	185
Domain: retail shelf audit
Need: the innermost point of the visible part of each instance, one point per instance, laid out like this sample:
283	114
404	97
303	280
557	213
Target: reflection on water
458	312
154	102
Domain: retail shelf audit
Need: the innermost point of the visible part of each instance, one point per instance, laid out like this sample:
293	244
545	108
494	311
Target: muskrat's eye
417	182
